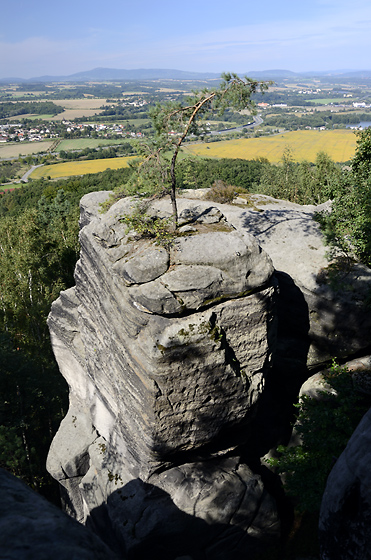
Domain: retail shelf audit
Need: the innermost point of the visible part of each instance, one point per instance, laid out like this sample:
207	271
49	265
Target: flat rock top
210	260
288	233
294	242
285	231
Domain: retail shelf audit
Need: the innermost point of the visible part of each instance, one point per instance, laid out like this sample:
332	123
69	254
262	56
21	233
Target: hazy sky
44	37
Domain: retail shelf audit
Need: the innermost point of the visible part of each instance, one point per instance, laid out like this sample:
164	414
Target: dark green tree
361	163
281	181
304	182
38	251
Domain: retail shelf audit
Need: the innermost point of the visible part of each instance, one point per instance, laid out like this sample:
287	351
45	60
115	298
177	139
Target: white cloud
339	38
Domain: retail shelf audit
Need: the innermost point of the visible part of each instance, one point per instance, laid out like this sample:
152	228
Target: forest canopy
11	109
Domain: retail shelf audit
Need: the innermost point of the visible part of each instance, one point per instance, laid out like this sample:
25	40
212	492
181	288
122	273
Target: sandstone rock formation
182	364
166	352
31	527
339	322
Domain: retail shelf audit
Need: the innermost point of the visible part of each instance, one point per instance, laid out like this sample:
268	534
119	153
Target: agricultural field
69	169
76	108
137	122
9	150
82	143
304	145
33	117
21	94
327	101
30	116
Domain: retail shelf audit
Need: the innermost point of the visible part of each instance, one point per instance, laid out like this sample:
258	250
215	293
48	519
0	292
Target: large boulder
31	527
166	351
217	509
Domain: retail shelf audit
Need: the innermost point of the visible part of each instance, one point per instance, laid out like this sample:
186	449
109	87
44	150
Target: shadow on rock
272	424
31	527
148	524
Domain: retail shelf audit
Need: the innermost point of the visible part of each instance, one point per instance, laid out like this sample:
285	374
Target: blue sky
43	37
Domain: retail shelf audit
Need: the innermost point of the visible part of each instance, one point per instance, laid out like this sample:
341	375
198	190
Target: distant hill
357	74
104	74
272	74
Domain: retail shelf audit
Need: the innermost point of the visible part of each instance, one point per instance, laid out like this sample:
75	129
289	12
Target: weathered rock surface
231	514
31	527
166	353
345	517
340	323
361	374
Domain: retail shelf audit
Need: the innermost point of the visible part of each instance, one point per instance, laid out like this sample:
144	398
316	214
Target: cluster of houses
266	105
310	91
102	129
127	101
20	133
16	132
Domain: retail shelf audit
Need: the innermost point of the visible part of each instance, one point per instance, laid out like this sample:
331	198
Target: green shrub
324	426
159	229
222	192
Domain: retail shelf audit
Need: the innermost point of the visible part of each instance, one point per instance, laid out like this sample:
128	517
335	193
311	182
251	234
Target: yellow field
304	145
79	167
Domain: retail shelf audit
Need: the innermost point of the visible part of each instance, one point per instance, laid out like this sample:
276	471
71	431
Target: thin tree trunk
173	190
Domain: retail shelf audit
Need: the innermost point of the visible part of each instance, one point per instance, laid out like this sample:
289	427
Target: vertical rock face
166	353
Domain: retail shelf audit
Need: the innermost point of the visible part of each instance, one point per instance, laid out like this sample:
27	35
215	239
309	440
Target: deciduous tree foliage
304	182
324	426
38	251
33	400
348	226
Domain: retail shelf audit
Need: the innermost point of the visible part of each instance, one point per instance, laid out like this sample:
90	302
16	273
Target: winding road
28	173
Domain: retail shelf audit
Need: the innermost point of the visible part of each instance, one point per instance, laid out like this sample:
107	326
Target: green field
37	117
81	143
326	100
14	150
